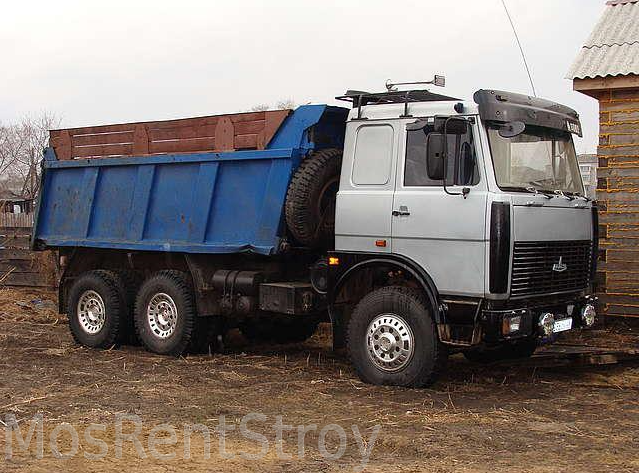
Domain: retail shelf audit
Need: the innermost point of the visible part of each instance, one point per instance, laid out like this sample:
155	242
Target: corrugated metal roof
616	60
618	25
620	2
613	46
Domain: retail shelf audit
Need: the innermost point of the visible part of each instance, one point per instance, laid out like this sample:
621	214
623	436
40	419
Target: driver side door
445	234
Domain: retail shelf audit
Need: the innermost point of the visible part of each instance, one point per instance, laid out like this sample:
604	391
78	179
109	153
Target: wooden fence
19	266
23	267
10	220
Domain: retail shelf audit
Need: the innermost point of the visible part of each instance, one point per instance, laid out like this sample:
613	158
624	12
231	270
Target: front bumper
525	320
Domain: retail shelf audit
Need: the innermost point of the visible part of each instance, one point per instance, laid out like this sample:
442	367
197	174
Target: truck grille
533	264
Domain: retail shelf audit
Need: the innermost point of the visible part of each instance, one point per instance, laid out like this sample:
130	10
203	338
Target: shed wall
618	195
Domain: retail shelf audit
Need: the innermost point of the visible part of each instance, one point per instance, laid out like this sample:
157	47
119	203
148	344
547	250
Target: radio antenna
523	56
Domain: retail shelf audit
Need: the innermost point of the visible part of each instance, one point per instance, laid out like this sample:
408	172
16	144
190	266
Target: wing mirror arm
466	190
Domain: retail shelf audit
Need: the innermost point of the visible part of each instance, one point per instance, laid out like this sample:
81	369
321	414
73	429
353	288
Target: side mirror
511	129
467	164
453	125
435	156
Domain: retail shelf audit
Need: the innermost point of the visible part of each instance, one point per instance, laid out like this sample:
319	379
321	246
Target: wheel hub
387	343
91	312
390	342
162	315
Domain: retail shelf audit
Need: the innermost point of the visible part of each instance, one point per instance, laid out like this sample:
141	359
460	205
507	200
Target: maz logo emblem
560	267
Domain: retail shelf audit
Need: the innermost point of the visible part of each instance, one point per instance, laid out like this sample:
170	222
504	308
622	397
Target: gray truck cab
473	212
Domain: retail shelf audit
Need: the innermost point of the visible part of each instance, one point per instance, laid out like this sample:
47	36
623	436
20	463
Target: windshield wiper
581	196
549	194
564	194
546	193
530	190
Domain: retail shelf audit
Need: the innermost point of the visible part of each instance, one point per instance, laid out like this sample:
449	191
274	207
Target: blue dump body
190	202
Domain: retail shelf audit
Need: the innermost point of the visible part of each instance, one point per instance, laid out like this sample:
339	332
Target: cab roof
402	104
491	105
359	98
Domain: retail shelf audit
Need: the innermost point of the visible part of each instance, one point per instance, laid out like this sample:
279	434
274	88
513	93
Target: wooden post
225	135
140	140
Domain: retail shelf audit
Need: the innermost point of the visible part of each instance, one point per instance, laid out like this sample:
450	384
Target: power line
523	56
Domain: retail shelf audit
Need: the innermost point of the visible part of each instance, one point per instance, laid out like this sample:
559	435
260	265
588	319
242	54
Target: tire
310	200
169	327
131	280
127	283
390	313
508	351
290	330
95	311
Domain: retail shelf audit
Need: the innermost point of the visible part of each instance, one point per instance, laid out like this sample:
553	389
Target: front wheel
392	339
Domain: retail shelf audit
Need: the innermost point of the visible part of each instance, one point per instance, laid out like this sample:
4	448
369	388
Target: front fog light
547	323
511	325
588	315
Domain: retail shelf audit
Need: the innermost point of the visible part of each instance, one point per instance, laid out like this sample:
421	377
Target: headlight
547	323
588	315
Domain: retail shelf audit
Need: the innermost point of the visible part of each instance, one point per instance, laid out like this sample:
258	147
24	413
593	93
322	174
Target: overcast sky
93	62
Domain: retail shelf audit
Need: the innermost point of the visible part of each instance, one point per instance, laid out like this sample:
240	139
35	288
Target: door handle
403	210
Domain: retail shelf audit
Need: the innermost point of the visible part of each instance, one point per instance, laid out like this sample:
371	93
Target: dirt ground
516	417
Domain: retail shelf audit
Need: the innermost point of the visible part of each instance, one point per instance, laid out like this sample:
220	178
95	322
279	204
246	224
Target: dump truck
416	223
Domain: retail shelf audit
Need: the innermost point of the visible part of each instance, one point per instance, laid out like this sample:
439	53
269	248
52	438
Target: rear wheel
127	283
165	315
130	284
95	310
392	339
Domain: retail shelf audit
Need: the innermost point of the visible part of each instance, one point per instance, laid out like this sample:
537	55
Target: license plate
562	325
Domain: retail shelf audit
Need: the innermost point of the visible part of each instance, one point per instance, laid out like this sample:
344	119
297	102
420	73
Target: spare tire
310	201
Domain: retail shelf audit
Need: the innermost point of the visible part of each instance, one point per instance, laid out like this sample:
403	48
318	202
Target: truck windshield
539	158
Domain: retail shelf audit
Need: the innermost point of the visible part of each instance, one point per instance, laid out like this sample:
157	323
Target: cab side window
461	166
373	153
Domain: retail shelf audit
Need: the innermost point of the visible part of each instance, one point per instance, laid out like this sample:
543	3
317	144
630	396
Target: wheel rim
162	315
91	312
390	342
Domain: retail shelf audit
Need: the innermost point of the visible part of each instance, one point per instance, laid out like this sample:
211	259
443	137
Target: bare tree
280	105
21	146
262	107
286	104
7	154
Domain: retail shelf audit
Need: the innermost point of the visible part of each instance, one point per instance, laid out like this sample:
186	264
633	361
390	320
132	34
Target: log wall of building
618	196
